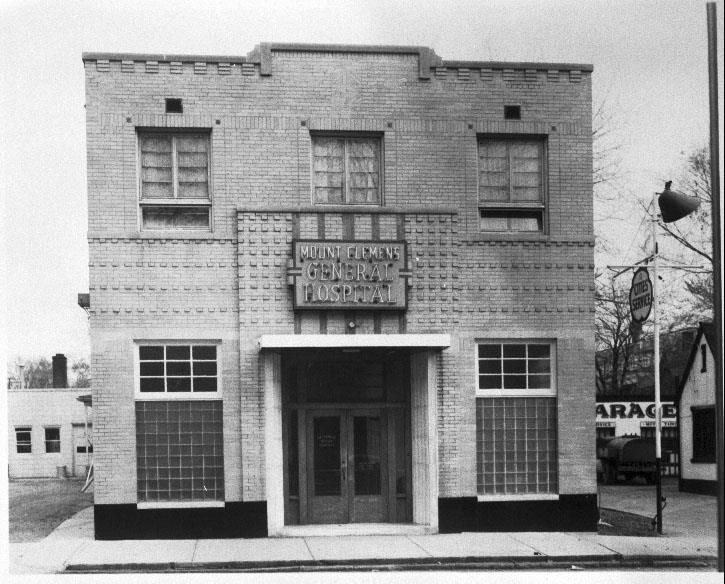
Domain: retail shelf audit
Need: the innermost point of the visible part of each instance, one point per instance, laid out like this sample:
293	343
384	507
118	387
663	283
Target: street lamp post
658	400
673	206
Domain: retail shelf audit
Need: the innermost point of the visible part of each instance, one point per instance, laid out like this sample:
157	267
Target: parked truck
628	456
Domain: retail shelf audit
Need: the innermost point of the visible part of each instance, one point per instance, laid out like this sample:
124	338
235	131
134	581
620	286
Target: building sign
665	424
613	410
640	296
349	275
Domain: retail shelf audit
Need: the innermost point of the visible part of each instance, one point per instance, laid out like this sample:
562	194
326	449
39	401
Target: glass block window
516	446
511	184
179	450
518	367
23	441
346	170
178	369
174	181
52	440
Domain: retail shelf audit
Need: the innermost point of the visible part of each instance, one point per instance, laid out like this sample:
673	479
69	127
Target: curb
613	562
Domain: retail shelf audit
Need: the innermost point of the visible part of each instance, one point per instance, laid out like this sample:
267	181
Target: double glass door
347	466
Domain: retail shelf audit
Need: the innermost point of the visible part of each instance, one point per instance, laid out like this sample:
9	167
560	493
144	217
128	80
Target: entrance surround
424	349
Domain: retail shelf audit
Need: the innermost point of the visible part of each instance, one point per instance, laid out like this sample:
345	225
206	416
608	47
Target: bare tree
82	371
38	373
692	237
613	334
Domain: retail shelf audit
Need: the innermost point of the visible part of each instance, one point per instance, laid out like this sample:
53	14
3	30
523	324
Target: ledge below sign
349	275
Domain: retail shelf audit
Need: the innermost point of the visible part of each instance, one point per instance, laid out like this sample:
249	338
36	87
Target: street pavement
71	548
684	514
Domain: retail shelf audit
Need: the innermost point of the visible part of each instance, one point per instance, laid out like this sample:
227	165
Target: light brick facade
229	284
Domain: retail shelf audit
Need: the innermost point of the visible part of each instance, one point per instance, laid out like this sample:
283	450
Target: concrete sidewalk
71	547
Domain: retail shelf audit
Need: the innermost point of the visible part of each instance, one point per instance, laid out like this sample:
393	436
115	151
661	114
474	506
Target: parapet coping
262	55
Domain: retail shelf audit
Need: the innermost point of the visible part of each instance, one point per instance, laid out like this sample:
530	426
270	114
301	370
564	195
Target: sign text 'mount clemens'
350	275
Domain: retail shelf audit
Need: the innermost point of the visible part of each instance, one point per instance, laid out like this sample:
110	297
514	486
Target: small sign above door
352	275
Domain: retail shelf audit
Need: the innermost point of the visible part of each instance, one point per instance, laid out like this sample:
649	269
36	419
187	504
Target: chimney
60	370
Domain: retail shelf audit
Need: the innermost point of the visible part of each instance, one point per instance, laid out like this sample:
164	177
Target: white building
696	407
49	429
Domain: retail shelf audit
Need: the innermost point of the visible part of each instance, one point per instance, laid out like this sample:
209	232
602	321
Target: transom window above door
346	170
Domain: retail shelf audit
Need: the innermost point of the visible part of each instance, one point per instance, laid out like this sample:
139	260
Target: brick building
340	284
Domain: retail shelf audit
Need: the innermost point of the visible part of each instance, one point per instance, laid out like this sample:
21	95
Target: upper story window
177	370
511	184
346	170
23	441
174	181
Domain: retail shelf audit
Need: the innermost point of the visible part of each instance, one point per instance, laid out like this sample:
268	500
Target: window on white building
174	180
23	440
52	440
511	184
516	419
346	170
703	434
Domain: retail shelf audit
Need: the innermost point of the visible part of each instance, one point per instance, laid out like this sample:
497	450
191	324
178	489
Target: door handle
343	469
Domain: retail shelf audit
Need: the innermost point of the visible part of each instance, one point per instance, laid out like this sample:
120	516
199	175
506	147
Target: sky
650	71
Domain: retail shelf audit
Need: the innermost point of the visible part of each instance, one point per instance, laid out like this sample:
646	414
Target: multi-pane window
23	441
178	369
514	366
346	170
511	184
179	451
52	440
174	181
703	434
516	419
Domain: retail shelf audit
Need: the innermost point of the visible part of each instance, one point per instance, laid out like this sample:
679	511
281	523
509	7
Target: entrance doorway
347	466
346	437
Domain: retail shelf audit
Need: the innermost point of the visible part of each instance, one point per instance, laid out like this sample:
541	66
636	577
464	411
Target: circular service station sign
640	295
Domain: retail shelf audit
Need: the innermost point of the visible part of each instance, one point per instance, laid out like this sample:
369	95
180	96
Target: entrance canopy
440	341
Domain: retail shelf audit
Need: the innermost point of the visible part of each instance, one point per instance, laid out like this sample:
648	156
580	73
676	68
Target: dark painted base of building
240	520
234	520
698	486
568	513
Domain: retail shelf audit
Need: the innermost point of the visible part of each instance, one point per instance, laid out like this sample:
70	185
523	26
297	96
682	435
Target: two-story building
340	285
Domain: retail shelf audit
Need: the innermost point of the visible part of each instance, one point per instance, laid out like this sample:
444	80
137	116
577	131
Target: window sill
507	236
177	396
516	393
179	504
523	497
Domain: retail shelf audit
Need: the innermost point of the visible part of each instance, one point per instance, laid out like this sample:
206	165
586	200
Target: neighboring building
49	429
696	405
629	409
340	284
